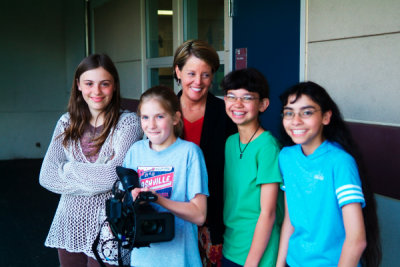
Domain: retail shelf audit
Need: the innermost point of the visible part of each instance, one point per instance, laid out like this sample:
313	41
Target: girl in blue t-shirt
174	170
326	223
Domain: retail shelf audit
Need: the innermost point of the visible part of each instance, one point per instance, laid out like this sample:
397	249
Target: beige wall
353	50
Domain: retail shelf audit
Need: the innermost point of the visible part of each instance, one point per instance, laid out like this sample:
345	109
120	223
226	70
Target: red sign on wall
240	58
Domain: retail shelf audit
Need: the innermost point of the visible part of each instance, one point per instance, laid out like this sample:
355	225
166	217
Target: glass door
169	23
159	42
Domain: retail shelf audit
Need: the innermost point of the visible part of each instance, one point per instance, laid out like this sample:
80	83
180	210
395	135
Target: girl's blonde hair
198	48
168	100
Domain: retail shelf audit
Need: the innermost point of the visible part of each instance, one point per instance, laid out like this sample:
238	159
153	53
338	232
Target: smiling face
306	131
244	112
158	124
97	87
196	78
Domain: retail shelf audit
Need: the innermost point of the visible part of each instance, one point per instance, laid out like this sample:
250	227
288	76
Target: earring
178	82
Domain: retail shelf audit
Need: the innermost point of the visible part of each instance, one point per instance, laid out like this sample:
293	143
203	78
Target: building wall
44	40
117	31
352	50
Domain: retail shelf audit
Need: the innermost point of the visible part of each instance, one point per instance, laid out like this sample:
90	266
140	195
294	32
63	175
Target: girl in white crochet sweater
88	143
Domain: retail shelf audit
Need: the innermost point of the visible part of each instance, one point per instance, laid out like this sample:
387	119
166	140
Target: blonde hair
198	48
168	100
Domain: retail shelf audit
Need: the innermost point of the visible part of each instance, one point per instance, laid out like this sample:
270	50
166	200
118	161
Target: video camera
134	223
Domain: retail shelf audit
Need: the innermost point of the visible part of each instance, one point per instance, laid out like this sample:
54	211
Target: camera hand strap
96	252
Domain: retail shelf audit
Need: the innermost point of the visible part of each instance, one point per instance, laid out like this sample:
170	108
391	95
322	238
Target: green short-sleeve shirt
242	187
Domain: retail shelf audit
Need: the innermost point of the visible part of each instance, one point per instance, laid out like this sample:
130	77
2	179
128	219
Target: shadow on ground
26	213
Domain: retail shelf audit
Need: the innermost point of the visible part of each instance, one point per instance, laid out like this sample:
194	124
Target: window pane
205	23
159	28
215	88
161	76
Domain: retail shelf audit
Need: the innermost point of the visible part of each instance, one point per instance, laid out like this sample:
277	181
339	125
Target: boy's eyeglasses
304	114
244	99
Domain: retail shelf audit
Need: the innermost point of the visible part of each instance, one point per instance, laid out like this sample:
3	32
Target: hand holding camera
144	194
132	219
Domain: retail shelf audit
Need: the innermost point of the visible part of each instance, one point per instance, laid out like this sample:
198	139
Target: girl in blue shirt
330	217
175	171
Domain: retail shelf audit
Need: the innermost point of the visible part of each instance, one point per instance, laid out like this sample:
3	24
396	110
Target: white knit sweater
84	186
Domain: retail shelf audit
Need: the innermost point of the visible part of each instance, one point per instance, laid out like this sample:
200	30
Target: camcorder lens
151	227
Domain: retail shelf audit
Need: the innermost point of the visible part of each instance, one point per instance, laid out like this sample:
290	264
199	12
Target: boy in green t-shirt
253	208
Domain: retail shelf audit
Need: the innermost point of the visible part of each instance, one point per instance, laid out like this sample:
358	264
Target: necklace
251	138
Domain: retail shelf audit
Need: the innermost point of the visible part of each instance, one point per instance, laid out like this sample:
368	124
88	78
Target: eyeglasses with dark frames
304	114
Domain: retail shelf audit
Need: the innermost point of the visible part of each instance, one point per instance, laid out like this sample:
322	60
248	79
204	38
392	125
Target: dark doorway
27	211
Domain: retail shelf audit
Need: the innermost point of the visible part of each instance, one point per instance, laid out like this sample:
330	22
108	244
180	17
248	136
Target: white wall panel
131	79
346	18
117	29
353	50
362	75
117	26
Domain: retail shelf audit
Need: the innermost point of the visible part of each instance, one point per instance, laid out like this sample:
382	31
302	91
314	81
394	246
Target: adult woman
207	125
88	143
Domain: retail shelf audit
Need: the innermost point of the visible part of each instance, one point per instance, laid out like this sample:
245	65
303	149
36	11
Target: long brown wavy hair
78	109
